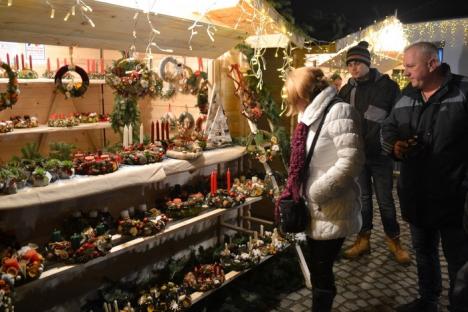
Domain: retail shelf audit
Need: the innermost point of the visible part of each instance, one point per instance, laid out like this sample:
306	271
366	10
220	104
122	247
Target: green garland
125	112
269	107
9	98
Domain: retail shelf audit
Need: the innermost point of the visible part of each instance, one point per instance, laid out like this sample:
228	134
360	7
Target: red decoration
87	65
157	131
58	63
102	66
93	67
8	59
30	62
212	183
22	61
167	131
215	181
152	132
65	61
228	180
48	64
17	62
162	130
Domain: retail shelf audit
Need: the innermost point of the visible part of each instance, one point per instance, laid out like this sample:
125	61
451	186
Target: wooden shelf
128	246
80	186
229	277
47	129
49	81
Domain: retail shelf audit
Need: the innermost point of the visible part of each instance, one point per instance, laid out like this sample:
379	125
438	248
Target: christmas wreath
198	84
72	88
130	77
9	98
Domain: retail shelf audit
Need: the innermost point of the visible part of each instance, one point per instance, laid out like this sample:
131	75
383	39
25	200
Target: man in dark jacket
428	131
373	95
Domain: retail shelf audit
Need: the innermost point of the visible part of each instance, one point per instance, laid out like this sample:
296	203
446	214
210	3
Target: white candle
130	134
116	306
255	235
105	307
125	136
261	230
141	133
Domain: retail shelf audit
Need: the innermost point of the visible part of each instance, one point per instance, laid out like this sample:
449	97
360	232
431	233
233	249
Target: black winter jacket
434	176
373	99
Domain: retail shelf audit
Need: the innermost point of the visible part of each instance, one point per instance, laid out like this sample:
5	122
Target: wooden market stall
33	213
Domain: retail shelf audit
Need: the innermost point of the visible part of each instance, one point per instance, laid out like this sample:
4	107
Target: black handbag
295	215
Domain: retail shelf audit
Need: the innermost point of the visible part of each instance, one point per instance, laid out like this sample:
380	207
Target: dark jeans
426	244
323	254
378	171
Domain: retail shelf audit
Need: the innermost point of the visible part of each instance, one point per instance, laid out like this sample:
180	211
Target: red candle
58	63
65	61
212	183
22	61
215	181
167	131
102	66
17	62
152	132
8	59
228	179
162	130
30	62
157	130
87	65
48	64
93	67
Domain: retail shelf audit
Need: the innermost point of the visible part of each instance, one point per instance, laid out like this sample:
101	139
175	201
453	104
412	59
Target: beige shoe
360	247
401	255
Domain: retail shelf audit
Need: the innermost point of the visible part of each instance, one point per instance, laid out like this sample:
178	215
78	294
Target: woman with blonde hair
328	183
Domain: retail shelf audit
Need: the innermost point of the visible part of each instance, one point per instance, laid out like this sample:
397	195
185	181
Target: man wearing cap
373	95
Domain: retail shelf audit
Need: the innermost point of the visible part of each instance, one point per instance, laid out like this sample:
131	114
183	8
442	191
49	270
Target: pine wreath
10	97
71	89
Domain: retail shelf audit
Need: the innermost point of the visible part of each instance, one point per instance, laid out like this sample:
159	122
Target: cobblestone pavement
373	283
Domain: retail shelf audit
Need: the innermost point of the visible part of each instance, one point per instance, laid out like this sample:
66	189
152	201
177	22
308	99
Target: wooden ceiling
29	21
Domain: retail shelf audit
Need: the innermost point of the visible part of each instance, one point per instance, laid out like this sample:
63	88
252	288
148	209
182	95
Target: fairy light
438	31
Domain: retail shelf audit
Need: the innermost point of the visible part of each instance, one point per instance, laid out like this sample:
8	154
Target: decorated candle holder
205	277
27	73
89	244
95	164
6	126
26	121
188	143
167	297
253	187
139	154
179	209
152	224
60	120
224	199
24	264
241	257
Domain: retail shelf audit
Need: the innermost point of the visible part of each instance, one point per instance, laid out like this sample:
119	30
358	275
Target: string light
438	31
82	7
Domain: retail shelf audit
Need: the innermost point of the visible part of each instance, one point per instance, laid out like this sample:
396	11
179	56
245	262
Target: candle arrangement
62	120
167	297
187	144
95	163
6	126
140	154
22	265
205	277
143	224
177	208
26	121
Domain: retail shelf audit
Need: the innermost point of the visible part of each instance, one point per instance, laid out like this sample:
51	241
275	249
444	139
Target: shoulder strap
335	100
305	173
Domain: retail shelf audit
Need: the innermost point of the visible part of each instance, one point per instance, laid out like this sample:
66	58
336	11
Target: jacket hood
315	109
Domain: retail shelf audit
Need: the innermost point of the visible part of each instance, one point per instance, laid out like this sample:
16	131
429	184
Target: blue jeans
426	245
378	171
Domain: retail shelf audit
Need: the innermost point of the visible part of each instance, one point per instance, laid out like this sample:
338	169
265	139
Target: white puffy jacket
332	192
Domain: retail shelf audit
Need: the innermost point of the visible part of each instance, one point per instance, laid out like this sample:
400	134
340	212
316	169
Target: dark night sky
332	19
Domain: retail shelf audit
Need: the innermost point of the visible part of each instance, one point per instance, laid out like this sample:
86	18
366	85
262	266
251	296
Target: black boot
322	299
